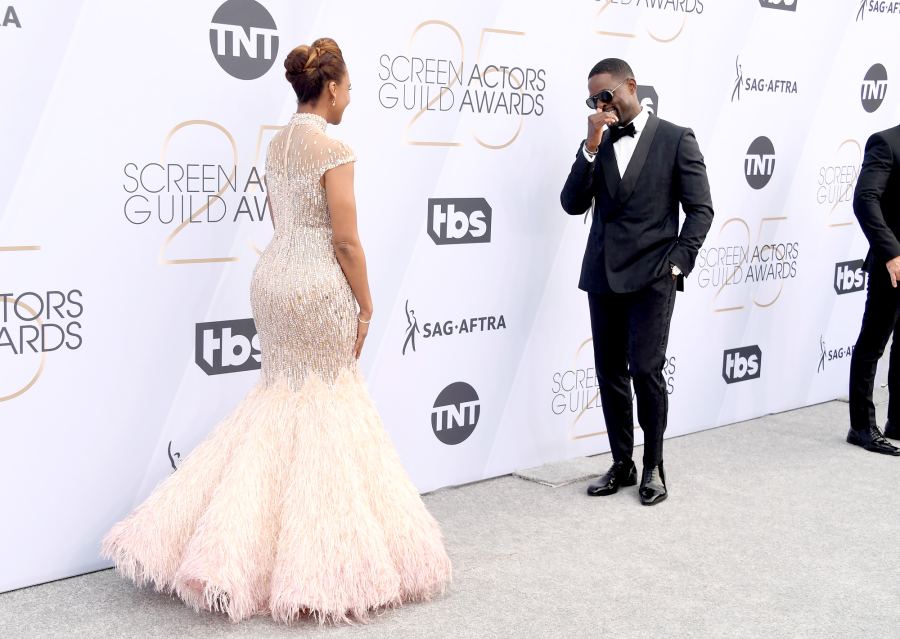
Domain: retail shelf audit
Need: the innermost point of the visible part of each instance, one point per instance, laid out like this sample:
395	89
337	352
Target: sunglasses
606	95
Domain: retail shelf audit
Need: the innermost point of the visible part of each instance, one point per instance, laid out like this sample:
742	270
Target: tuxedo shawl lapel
609	166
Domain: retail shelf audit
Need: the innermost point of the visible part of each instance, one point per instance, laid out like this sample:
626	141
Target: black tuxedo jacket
634	233
876	201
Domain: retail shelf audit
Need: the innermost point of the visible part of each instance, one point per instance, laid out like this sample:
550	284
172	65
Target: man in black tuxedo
636	172
876	204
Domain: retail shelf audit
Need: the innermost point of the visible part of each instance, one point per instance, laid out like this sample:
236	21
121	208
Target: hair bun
309	67
295	62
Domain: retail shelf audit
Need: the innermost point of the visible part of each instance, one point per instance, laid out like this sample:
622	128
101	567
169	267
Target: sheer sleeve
334	154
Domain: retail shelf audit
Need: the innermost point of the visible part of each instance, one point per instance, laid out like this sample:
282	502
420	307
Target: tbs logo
874	88
784	5
741	364
849	277
648	98
456	413
244	39
231	346
759	163
459	220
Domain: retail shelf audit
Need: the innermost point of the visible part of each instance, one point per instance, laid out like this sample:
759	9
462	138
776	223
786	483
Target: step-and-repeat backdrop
132	212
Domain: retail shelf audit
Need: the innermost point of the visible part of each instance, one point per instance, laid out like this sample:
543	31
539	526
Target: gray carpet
774	528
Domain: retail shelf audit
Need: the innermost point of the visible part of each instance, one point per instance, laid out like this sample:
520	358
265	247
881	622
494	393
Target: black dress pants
880	320
631	332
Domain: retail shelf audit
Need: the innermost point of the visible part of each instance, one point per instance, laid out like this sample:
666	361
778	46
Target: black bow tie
617	132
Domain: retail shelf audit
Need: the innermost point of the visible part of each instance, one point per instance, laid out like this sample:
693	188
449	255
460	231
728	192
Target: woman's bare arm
347	247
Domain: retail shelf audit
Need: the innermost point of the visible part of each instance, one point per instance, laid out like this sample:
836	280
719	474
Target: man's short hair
615	67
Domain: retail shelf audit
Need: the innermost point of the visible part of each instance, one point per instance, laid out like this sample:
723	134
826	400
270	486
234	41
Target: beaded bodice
303	307
298	157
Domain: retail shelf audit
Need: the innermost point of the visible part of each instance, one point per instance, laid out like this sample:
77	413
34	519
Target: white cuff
675	270
587	156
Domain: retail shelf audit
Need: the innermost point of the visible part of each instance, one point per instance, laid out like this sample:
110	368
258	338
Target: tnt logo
231	346
648	98
874	88
244	39
741	364
456	412
849	277
784	5
459	220
759	163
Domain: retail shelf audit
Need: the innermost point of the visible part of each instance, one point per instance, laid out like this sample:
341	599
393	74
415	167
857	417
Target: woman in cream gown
297	504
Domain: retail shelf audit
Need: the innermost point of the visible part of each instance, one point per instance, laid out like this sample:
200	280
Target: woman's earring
332	101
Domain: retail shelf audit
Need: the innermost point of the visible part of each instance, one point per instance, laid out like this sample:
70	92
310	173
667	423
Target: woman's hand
362	331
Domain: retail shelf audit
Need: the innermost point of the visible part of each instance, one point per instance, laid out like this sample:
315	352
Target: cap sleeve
336	154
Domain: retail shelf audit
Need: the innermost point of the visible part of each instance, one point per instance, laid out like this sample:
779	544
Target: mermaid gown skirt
297	503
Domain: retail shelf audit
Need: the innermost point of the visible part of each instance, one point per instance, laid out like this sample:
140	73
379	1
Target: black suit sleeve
873	179
578	191
695	200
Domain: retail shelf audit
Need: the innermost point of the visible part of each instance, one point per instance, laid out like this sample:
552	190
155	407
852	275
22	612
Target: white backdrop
130	213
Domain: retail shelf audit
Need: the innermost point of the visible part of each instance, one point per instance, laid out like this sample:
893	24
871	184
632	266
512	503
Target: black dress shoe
653	485
621	473
871	439
891	431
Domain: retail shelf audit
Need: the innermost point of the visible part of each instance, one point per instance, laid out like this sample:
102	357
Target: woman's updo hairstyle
310	68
